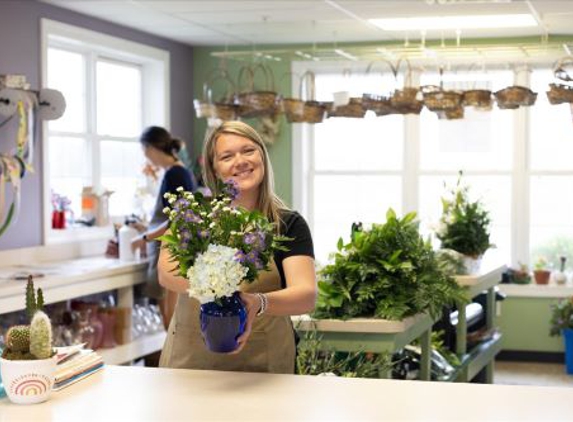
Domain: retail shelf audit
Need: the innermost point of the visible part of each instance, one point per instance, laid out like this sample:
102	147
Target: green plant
387	272
313	359
34	341
464	224
552	249
540	264
561	316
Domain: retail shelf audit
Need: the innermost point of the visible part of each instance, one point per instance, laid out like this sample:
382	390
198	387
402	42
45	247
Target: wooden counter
149	394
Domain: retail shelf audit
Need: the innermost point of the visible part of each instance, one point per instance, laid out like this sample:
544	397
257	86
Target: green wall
280	152
524	323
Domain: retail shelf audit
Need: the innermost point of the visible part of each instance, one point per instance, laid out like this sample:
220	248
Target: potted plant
540	272
464	226
387	272
562	323
28	362
520	275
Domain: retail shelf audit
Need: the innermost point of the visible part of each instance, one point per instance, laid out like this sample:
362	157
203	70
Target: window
550	175
113	89
517	162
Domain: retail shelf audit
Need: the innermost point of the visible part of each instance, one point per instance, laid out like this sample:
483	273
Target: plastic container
125	235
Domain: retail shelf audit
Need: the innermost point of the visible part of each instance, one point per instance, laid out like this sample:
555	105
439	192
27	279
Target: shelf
537	291
476	359
127	352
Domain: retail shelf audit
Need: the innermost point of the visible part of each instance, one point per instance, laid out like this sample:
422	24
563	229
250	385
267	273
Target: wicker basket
223	108
515	96
480	99
452	114
559	94
253	103
441	100
405	101
313	112
353	109
293	108
379	104
563	69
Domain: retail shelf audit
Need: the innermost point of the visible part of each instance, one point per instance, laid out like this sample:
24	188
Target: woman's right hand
138	242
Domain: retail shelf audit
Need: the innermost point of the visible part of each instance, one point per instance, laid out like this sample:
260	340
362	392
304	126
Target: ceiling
257	23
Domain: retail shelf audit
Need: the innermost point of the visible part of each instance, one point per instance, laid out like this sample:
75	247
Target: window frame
520	172
155	73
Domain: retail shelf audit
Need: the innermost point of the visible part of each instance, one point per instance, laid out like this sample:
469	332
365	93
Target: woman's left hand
252	305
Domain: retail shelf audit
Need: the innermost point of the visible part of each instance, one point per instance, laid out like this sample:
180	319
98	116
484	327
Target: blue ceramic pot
221	324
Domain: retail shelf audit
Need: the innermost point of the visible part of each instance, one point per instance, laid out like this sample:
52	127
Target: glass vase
222	323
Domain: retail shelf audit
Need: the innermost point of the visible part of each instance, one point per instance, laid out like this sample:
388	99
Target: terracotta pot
541	276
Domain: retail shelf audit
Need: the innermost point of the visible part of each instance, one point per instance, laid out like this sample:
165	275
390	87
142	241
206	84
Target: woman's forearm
168	273
295	300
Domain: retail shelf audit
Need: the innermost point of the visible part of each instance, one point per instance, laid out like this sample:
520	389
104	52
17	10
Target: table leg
426	346
461	331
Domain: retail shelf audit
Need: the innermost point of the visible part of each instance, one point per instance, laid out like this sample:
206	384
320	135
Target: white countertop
153	394
69	278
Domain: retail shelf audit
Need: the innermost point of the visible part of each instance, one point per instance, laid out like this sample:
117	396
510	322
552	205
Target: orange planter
541	276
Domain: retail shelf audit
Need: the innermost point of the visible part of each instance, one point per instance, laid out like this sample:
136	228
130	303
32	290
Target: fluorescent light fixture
456	22
344	54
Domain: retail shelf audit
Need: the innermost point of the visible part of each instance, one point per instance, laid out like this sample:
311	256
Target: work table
125	394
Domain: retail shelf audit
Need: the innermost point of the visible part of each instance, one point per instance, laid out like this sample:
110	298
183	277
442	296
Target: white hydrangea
216	273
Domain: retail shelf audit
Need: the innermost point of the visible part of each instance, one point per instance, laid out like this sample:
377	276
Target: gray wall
20	53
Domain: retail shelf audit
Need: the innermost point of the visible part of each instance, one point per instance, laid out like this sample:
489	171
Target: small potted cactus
28	362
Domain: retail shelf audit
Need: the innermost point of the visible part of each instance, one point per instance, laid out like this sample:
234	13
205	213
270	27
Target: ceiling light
456	22
344	54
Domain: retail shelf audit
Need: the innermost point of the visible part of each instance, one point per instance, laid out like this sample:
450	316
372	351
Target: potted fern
28	361
464	226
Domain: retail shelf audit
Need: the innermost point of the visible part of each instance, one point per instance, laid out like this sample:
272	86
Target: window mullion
93	140
520	192
411	160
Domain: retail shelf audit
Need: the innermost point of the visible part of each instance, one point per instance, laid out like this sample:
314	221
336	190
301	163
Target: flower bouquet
218	246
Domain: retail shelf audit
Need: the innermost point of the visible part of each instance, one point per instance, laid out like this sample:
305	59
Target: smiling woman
235	151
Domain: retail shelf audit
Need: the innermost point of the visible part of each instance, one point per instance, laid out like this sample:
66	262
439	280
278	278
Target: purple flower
240	256
203	233
191	217
256	240
231	189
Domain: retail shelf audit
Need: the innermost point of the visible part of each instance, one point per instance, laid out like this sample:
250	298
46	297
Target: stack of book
75	363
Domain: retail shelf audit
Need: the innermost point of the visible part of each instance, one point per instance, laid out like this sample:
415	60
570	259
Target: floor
528	373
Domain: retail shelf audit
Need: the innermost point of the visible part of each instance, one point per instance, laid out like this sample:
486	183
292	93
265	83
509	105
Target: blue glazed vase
222	323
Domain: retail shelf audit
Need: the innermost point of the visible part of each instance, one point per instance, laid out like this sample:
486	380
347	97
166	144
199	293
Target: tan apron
269	348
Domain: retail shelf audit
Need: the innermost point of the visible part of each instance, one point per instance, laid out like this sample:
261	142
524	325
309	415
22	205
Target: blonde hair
268	202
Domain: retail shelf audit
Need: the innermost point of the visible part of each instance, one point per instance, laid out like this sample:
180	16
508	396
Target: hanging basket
452	114
438	99
563	69
514	97
559	94
256	103
293	108
223	108
379	104
353	109
480	99
406	100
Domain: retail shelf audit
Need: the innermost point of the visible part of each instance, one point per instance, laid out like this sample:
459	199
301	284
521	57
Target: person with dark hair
161	149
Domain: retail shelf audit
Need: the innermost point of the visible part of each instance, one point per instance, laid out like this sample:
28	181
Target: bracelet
264	302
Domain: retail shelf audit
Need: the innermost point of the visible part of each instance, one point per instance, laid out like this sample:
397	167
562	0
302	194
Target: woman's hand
252	305
138	242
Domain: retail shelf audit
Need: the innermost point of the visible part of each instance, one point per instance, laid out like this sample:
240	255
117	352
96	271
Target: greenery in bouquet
464	225
215	244
386	272
33	341
561	316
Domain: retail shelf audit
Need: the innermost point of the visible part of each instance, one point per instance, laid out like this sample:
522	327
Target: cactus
34	300
41	336
18	338
30	298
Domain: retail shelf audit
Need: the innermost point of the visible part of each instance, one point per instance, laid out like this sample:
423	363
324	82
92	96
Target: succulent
18	338
41	336
34	341
34	301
